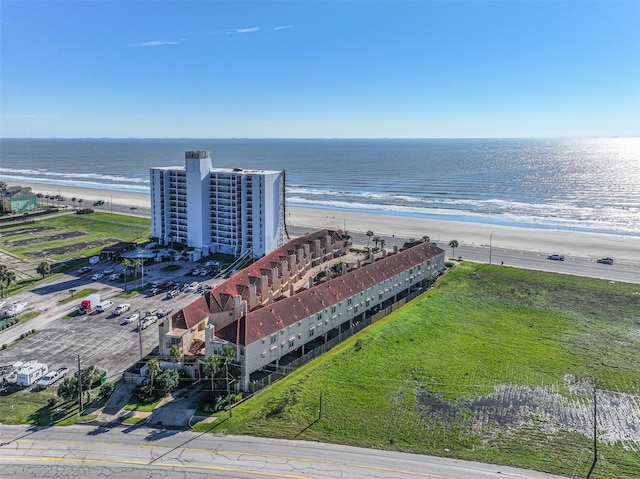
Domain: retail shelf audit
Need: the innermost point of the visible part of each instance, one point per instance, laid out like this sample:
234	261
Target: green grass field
425	378
93	228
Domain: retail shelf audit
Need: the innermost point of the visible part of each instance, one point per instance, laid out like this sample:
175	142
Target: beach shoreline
570	243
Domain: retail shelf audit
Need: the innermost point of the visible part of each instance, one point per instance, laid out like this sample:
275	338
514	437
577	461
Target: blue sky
359	69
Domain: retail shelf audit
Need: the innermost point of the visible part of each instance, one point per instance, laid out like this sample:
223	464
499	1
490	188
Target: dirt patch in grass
72	248
26	231
45	239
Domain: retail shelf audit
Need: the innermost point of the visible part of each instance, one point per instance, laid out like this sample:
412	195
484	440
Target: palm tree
176	354
211	367
229	353
453	244
72	292
135	264
376	240
89	376
80	200
3	274
44	268
369	234
382	242
171	236
73	201
126	264
9	277
426	238
153	369
39	196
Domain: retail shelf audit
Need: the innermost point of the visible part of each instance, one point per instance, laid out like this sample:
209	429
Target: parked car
97	276
98	203
84	269
606	260
131	318
148	321
121	308
556	257
161	313
195	272
172	294
114	277
108	271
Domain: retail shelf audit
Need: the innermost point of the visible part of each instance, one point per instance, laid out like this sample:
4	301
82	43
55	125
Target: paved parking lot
99	338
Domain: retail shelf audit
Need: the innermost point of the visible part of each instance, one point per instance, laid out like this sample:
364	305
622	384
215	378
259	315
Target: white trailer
29	373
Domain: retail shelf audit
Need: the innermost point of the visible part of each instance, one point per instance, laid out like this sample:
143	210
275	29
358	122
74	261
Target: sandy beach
587	245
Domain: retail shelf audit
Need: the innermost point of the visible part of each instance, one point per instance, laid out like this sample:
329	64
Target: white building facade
233	211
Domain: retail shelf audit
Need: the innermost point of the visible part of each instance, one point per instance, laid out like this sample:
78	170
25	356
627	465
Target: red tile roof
222	295
192	314
269	319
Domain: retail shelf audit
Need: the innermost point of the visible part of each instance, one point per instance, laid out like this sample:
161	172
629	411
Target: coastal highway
626	272
138	452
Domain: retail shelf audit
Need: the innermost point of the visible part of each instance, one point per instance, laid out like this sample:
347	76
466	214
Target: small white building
233	211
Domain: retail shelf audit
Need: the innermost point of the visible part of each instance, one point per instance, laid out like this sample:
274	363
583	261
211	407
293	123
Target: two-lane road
135	452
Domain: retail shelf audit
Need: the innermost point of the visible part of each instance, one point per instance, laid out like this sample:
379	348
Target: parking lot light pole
140	334
143	252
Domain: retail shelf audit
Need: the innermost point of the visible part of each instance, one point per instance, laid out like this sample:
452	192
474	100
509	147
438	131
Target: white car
121	308
97	276
114	277
556	257
131	318
108	271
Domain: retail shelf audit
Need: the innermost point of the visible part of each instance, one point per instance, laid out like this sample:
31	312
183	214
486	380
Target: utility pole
79	388
140	334
595	433
320	407
226	375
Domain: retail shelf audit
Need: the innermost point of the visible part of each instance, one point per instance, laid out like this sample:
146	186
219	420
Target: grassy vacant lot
72	235
493	364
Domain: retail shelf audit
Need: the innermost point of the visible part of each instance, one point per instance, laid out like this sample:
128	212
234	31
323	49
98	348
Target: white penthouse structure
218	210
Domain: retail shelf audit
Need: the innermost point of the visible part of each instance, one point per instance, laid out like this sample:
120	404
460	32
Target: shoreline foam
571	243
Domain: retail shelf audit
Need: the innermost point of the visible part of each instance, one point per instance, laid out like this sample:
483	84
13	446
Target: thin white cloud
156	43
283	27
242	30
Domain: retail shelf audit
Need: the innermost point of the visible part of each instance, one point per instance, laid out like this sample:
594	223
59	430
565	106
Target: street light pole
490	241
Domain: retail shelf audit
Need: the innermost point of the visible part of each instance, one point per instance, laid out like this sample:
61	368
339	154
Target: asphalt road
138	452
626	272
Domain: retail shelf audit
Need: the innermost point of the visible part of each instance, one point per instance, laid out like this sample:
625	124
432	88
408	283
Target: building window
273	338
312	331
292	341
349	301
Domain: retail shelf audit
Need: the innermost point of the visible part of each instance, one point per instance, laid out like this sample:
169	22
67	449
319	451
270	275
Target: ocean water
570	184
